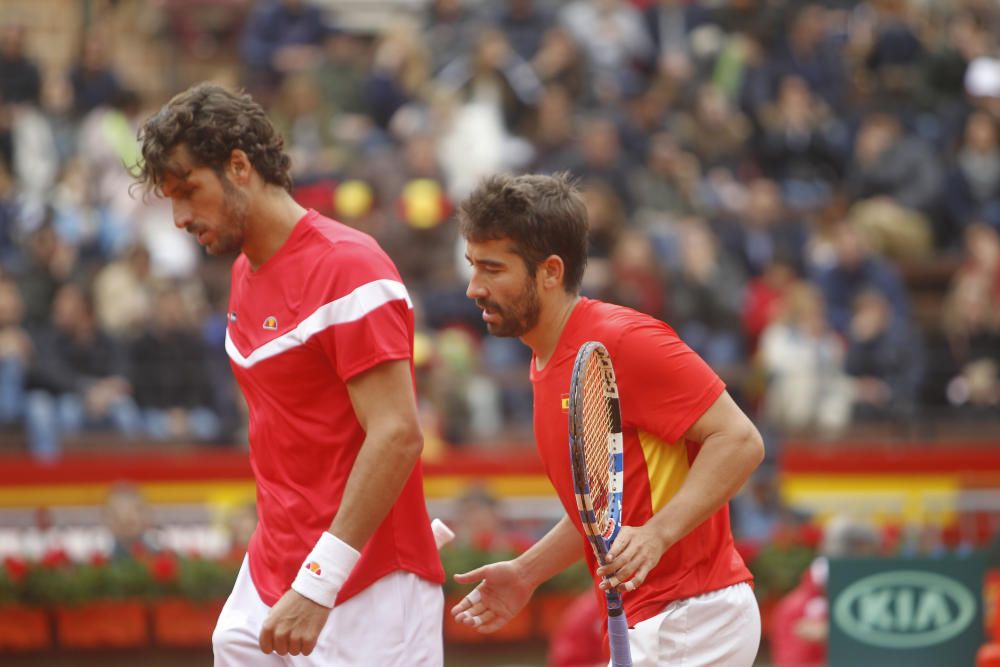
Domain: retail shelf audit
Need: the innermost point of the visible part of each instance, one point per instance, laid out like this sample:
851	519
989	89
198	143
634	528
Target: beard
235	209
519	317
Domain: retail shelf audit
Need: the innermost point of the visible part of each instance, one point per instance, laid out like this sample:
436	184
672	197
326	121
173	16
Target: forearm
380	472
720	469
556	551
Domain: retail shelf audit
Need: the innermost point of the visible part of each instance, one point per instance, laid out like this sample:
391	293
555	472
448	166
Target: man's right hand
502	592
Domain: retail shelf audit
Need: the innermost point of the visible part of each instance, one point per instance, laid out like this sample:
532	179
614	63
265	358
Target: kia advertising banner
905	612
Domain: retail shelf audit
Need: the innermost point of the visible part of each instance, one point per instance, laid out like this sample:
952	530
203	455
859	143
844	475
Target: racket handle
621	653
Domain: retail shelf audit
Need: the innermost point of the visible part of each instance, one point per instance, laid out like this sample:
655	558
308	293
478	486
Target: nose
182	215
475	290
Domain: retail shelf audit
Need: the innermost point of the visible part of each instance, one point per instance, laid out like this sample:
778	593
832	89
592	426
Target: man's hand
293	625
502	593
635	552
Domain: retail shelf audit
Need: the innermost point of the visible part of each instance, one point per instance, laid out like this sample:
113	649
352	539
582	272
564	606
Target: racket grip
621	654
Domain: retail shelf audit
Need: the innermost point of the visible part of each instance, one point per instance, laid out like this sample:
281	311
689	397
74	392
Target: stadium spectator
810	51
853	268
667	187
560	61
803	360
524	22
706	296
123	293
33	154
169	365
127	518
971	324
20	79
801	143
341	71
495	75
601	159
765	298
897	183
670	24
613	36
973	191
281	37
78	379
10	218
92	78
452	28
47	262
16	351
885	358
480	525
763	229
400	69
713	129
306	122
551	131
636	278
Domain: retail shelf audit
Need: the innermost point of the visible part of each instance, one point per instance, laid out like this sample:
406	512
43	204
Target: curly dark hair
542	215
212	122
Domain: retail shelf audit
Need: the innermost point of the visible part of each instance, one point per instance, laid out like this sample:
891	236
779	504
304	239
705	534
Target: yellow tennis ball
423	349
353	199
423	203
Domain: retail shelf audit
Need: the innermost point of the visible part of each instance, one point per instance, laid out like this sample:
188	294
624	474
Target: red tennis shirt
664	388
326	307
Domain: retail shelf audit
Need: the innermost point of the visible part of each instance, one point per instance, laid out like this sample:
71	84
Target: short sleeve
371	321
665	387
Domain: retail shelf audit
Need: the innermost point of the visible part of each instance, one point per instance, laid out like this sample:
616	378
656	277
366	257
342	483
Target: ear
551	271
239	167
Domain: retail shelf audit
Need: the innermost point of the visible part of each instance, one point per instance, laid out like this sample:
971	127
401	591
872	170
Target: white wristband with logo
325	569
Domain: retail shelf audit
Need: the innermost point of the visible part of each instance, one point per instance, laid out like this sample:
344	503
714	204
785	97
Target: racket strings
597	424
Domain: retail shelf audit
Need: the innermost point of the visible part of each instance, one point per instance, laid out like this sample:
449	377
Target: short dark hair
542	215
212	122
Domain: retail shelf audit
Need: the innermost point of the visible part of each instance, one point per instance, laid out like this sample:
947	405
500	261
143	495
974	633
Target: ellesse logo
271	323
314	567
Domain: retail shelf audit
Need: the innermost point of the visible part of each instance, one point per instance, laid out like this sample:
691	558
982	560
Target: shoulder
330	246
337	261
619	326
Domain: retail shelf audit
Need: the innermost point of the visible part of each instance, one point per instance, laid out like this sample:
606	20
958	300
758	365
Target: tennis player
688	447
342	567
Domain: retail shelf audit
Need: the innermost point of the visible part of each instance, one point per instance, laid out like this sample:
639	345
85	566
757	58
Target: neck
270	221
544	337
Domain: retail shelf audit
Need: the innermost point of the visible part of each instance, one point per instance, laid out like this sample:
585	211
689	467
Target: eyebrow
485	262
177	172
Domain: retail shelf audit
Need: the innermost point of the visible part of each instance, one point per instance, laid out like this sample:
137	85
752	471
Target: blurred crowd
808	192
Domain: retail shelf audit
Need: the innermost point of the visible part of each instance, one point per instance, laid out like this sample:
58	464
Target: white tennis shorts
717	629
395	622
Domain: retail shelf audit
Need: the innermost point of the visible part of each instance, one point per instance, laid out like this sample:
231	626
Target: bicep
723	417
383	396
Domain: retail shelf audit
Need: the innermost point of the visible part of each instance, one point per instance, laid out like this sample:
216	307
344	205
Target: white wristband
442	533
325	569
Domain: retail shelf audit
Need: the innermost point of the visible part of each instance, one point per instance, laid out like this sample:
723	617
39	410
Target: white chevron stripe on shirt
348	308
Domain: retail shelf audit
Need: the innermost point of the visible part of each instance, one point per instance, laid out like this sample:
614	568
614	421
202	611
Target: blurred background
808	192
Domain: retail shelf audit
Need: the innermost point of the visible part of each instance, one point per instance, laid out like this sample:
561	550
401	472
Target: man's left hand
293	625
635	552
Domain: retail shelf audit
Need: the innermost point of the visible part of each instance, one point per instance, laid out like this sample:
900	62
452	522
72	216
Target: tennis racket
596	453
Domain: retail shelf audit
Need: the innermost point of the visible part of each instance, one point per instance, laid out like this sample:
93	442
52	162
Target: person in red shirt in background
578	640
688	447
799	624
342	566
